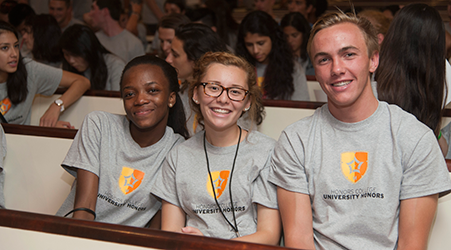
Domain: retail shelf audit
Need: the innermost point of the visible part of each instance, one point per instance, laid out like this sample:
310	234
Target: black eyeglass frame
204	84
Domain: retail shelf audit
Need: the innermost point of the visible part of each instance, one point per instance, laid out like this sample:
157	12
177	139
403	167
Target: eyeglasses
215	90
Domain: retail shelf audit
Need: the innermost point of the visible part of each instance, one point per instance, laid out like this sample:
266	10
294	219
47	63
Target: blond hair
331	19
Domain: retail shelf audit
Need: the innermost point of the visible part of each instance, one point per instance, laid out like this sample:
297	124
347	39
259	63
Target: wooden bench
34	178
21	230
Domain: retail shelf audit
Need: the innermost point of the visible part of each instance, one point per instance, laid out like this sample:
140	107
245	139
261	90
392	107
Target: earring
196	101
247	109
170	105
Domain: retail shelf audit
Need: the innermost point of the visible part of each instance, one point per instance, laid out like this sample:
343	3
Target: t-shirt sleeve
165	186
265	193
300	84
2	173
46	78
425	172
115	71
84	153
287	165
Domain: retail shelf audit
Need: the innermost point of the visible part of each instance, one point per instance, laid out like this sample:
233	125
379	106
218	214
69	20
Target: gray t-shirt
300	92
184	181
72	22
115	66
2	173
104	146
147	15
356	174
41	79
125	45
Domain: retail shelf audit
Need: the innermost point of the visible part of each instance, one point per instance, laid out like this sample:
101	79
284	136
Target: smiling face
342	65
80	64
221	113
258	46
146	96
9	54
294	39
166	36
60	12
96	15
179	60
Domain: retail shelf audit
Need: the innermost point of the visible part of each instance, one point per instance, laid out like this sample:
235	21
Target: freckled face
221	113
146	95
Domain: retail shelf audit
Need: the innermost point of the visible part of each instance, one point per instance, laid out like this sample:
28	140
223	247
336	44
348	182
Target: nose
223	98
166	47
255	49
70	60
338	67
14	53
141	98
169	58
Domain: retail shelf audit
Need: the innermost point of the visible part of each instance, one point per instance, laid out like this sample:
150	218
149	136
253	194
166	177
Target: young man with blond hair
359	173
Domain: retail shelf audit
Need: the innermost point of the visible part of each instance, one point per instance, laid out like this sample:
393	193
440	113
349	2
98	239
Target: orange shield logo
130	179
5	105
354	165
220	179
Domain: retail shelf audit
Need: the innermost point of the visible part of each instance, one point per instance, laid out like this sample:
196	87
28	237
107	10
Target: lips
13	64
142	112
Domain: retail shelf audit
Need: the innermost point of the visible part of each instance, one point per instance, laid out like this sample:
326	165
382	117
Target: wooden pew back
34	178
15	225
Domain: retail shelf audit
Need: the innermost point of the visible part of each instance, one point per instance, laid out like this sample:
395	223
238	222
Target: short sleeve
425	172
2	173
265	193
46	78
115	67
84	153
287	165
165	186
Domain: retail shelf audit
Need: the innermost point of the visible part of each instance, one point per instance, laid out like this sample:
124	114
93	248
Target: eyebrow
146	84
9	43
339	51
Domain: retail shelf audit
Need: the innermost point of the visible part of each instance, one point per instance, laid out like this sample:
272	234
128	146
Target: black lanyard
235	228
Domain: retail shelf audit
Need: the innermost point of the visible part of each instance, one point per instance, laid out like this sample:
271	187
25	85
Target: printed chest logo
354	165
220	179
5	105
130	179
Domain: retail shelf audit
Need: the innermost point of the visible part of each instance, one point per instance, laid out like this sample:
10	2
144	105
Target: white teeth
340	84
222	111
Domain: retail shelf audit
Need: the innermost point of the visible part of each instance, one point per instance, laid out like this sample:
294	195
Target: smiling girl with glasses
215	184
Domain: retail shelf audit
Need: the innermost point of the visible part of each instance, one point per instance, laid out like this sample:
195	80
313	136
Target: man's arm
153	6
415	221
296	213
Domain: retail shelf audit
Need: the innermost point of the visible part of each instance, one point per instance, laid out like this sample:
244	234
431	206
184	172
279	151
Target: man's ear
374	61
